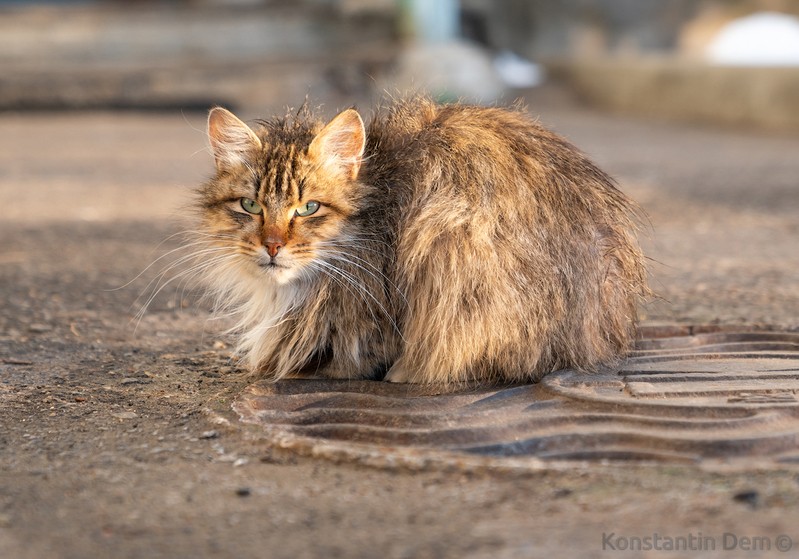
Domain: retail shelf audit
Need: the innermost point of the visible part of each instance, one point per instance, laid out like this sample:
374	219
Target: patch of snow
761	39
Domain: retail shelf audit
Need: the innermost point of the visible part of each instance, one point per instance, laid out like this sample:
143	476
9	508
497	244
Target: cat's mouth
276	271
272	265
269	262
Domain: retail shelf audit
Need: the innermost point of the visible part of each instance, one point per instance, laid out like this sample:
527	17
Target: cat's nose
273	248
273	240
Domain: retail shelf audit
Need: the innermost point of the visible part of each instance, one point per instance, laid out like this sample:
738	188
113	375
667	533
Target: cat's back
417	128
486	154
484	163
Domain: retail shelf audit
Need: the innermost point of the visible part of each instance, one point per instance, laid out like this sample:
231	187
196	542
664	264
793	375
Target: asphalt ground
110	439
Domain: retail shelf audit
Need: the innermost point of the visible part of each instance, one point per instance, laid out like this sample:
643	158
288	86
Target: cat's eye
251	206
308	208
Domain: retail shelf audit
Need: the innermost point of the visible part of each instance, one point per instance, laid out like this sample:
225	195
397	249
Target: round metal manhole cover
712	397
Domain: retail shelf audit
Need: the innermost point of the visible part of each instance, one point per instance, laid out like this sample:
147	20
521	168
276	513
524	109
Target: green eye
251	206
307	209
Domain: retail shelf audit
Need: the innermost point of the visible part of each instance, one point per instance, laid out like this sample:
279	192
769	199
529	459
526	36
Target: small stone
134	380
125	415
243	491
749	497
39	328
209	434
16	361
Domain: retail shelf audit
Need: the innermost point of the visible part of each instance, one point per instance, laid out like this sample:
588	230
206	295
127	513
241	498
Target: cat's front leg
361	357
329	364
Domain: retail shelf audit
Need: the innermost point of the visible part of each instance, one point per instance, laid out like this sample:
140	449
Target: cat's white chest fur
259	307
260	323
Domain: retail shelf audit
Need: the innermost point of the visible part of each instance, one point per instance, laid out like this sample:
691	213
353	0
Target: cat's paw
400	375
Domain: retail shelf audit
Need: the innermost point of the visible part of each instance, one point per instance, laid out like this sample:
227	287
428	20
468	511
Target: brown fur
453	243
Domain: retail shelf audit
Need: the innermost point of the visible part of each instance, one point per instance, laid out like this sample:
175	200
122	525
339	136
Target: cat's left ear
340	144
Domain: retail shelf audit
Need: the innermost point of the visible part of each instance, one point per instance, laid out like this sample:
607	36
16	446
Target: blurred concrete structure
578	28
764	98
645	56
154	55
601	28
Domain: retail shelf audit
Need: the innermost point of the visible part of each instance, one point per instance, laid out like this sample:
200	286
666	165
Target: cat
440	244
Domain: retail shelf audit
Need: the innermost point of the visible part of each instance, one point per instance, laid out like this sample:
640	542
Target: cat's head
283	192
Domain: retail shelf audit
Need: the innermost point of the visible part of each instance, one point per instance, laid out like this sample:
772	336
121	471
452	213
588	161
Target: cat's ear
231	140
340	144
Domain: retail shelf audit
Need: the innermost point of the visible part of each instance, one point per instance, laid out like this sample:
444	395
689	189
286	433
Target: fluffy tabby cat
439	244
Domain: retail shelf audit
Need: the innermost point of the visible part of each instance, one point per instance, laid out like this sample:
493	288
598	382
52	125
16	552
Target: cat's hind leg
468	320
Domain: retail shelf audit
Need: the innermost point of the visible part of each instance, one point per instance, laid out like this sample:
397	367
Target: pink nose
273	248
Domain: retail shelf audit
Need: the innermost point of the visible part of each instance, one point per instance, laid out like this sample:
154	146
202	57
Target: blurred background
693	105
725	61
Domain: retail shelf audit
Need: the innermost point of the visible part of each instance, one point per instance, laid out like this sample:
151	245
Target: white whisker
161	284
354	282
377	275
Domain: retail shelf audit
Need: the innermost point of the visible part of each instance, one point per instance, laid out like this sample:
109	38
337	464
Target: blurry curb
191	86
766	98
160	56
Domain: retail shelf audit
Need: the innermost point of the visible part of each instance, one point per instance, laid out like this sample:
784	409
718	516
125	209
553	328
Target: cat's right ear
231	140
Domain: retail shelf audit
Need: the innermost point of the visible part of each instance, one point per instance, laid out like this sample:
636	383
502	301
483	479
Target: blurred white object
762	39
516	71
439	64
448	71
